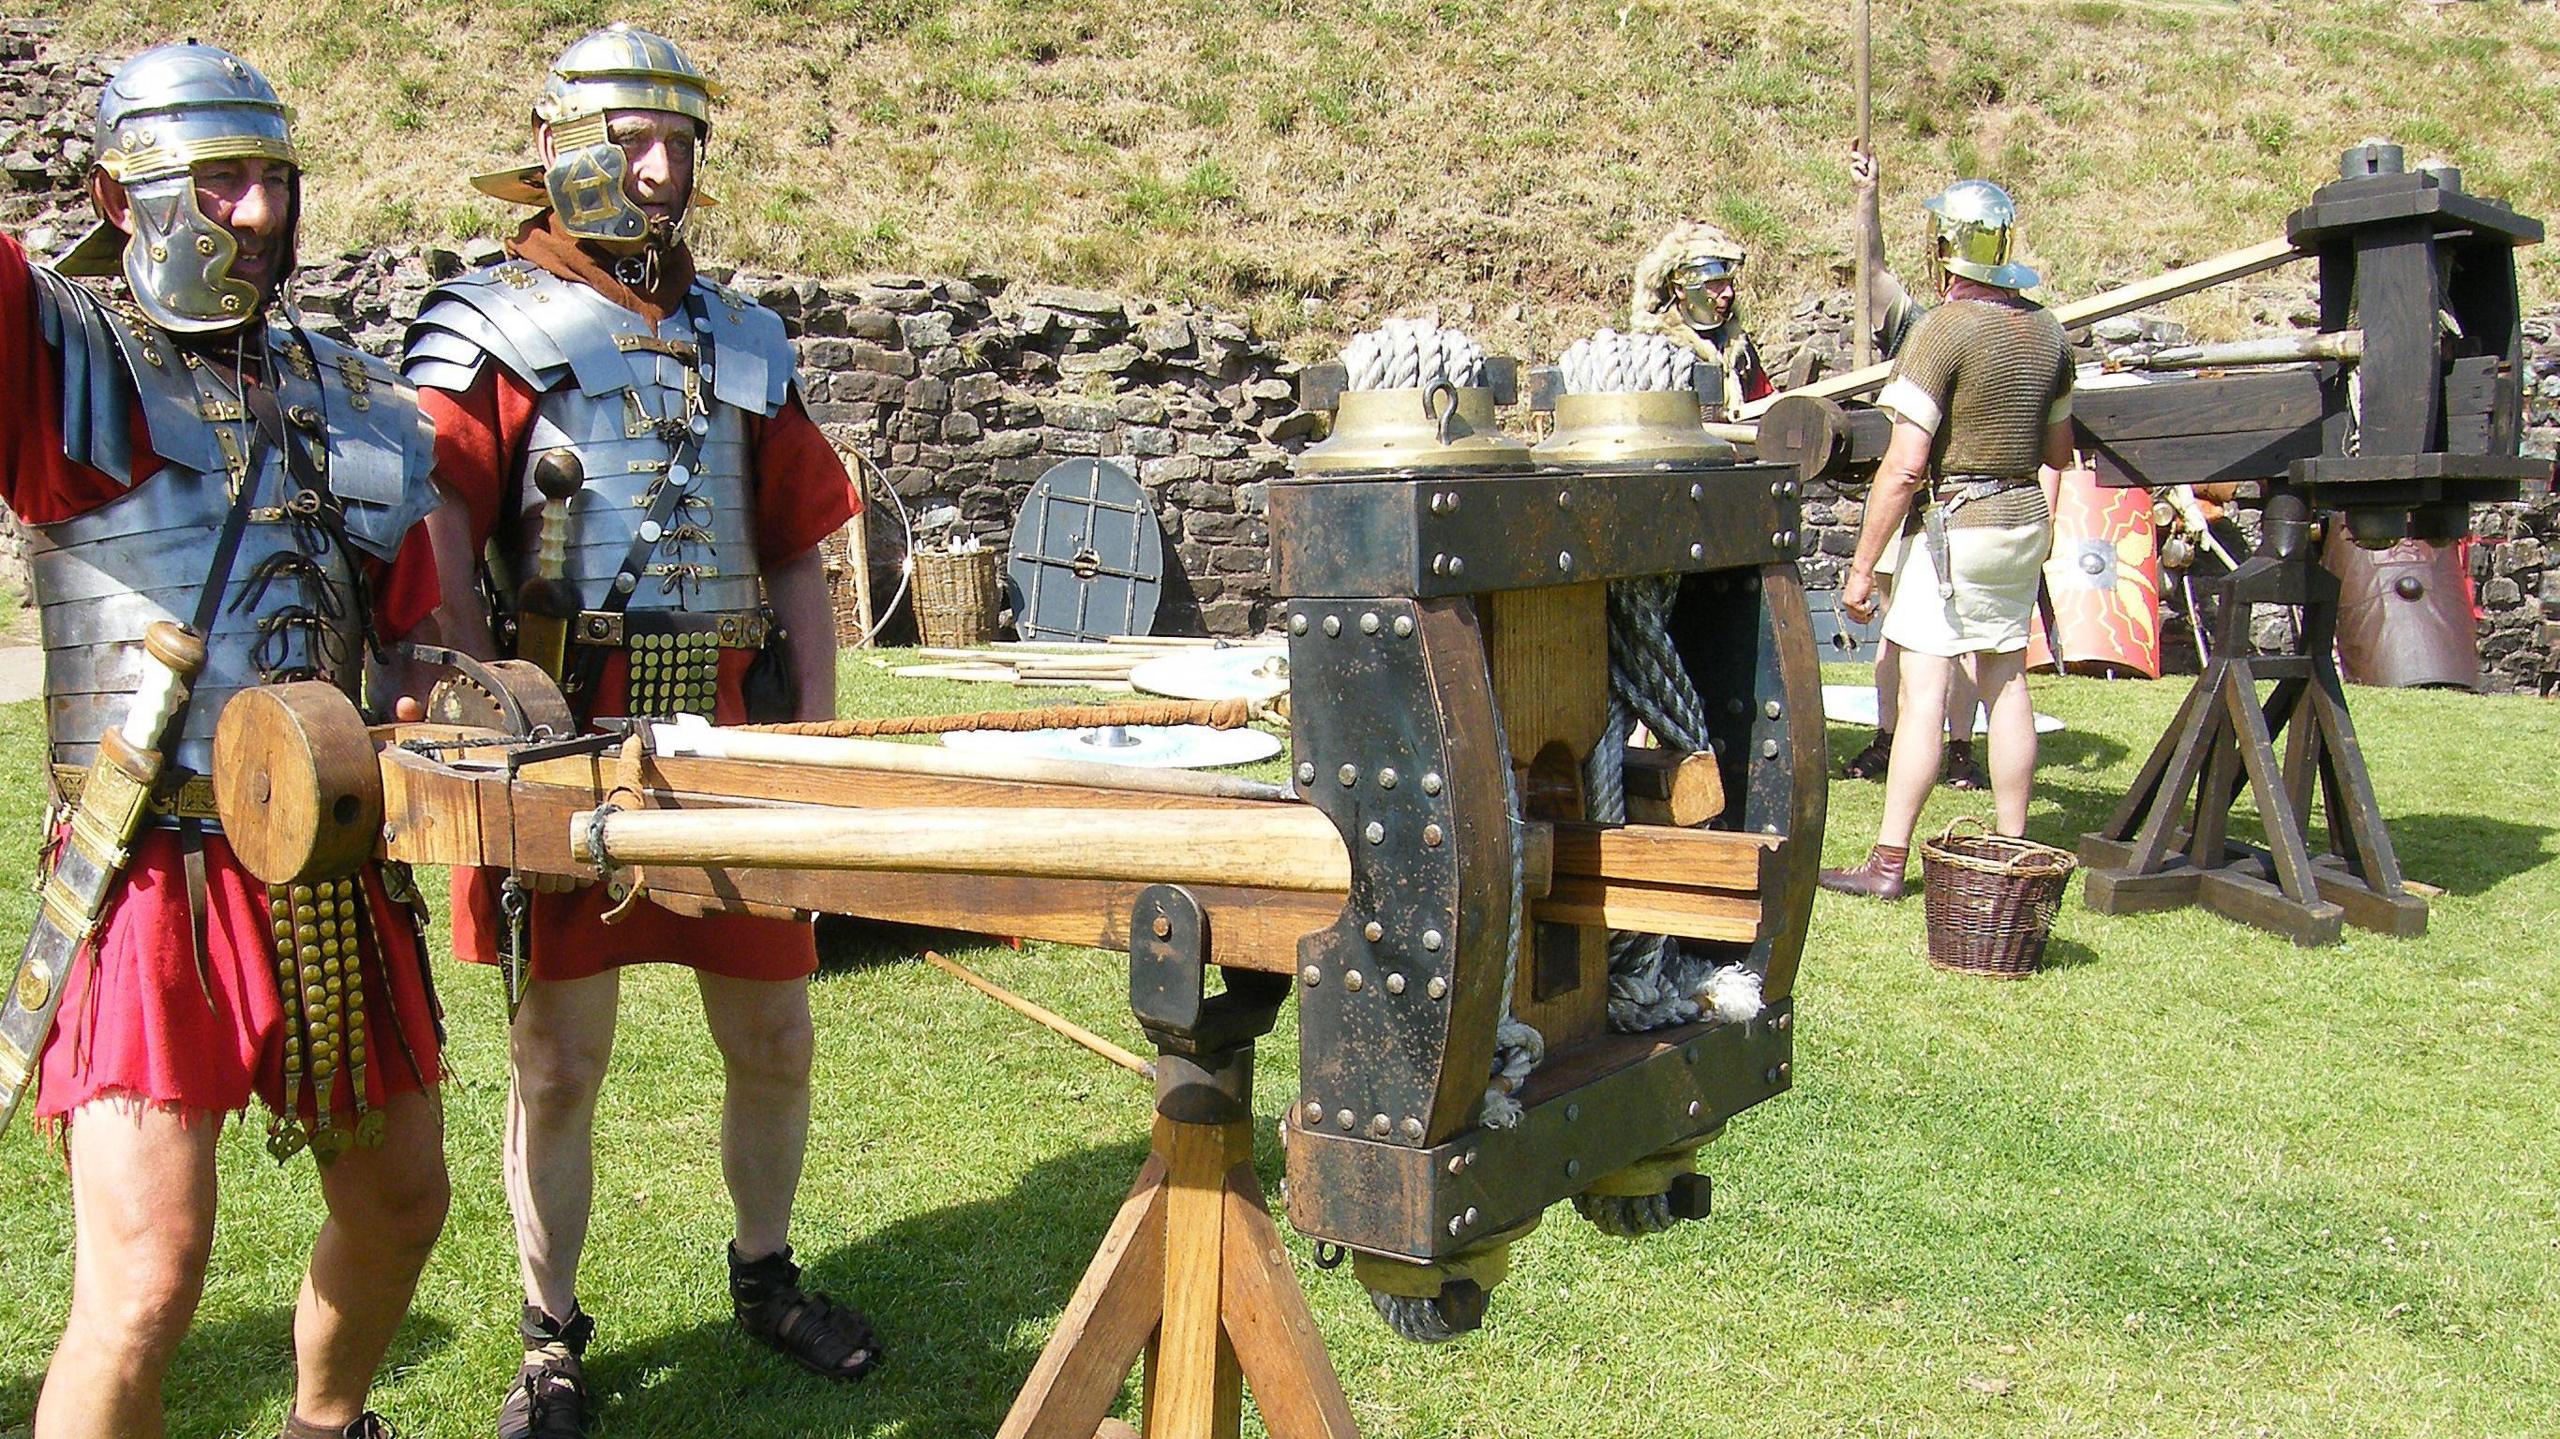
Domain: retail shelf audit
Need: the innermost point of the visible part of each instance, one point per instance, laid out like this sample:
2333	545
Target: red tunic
140	1021
802	496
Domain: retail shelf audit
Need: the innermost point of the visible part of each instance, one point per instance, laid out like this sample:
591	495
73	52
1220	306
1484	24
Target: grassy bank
1324	161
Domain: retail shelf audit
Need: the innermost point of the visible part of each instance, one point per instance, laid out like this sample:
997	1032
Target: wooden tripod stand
2169	842
1193	1272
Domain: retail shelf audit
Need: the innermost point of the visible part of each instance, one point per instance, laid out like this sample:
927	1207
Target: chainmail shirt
1985	378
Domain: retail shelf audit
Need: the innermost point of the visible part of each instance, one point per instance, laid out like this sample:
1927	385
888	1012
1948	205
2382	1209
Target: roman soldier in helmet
1981	402
214	499
631	443
1687	288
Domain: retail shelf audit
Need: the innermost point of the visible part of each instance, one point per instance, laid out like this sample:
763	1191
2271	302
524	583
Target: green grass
1391	156
2190	1181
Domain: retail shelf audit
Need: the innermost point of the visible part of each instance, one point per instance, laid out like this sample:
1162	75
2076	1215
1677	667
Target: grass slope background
2190	1181
1320	162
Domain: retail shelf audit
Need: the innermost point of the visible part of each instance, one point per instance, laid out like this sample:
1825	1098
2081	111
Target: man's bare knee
775	1048
139	1294
556	1069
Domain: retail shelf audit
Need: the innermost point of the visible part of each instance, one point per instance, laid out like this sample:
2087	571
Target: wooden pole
1037	1015
858	550
1859	68
1282	847
2203	275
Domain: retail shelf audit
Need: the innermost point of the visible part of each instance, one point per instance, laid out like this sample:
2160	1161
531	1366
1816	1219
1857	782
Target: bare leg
1917	749
142	1216
2013	736
763	1031
1963	699
1888	686
386	1207
558	1049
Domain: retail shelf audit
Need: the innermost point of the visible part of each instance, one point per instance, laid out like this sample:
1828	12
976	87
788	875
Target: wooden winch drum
296	782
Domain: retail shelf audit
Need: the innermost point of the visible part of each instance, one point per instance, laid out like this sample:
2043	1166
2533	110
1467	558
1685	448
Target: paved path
21	673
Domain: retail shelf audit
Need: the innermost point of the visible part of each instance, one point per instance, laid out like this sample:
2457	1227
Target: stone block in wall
868	356
1172	468
968	392
1139	409
1109	360
1065	414
1229	617
1164	334
1147	442
928	394
1006	444
872	385
877	326
926	330
961	426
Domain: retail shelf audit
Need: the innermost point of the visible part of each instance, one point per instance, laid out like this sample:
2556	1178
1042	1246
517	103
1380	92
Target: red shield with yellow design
2104	581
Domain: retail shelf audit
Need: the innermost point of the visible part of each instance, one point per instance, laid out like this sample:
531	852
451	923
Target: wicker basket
1989	900
956	598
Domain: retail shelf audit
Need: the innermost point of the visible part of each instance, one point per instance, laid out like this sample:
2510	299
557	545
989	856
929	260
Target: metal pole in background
1860	324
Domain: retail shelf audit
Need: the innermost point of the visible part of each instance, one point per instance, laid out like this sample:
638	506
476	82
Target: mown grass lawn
2190	1181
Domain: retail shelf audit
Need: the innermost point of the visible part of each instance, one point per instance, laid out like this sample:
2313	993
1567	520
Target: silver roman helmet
167	110
1973	231
620	67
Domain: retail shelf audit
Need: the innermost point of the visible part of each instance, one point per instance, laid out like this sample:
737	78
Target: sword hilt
176	656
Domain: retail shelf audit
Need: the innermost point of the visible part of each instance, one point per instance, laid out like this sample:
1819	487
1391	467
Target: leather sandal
1962	770
549	1400
831	1340
1879	877
1874	760
367	1425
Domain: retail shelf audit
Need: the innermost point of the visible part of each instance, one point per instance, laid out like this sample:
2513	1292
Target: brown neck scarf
542	241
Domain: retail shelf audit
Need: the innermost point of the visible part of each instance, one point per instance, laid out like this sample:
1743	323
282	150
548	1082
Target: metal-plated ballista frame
1399	995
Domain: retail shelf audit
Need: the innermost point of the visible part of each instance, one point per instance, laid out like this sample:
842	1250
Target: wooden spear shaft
1860	77
819	752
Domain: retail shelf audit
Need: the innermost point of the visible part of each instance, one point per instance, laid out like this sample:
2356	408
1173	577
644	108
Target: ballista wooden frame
1449	650
2418	286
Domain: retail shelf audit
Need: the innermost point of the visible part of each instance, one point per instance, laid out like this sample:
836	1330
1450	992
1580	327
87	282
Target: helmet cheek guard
586	183
178	261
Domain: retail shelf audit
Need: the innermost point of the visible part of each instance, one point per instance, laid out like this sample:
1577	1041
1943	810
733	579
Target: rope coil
1609	363
1411	355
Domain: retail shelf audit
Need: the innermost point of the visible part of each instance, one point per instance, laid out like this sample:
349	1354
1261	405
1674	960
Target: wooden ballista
2405	410
1430	874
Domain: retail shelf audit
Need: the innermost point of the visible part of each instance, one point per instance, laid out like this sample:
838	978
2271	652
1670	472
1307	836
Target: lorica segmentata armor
639	407
292	606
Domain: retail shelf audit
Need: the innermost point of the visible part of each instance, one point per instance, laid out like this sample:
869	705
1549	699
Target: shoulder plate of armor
97	394
753	365
381	446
